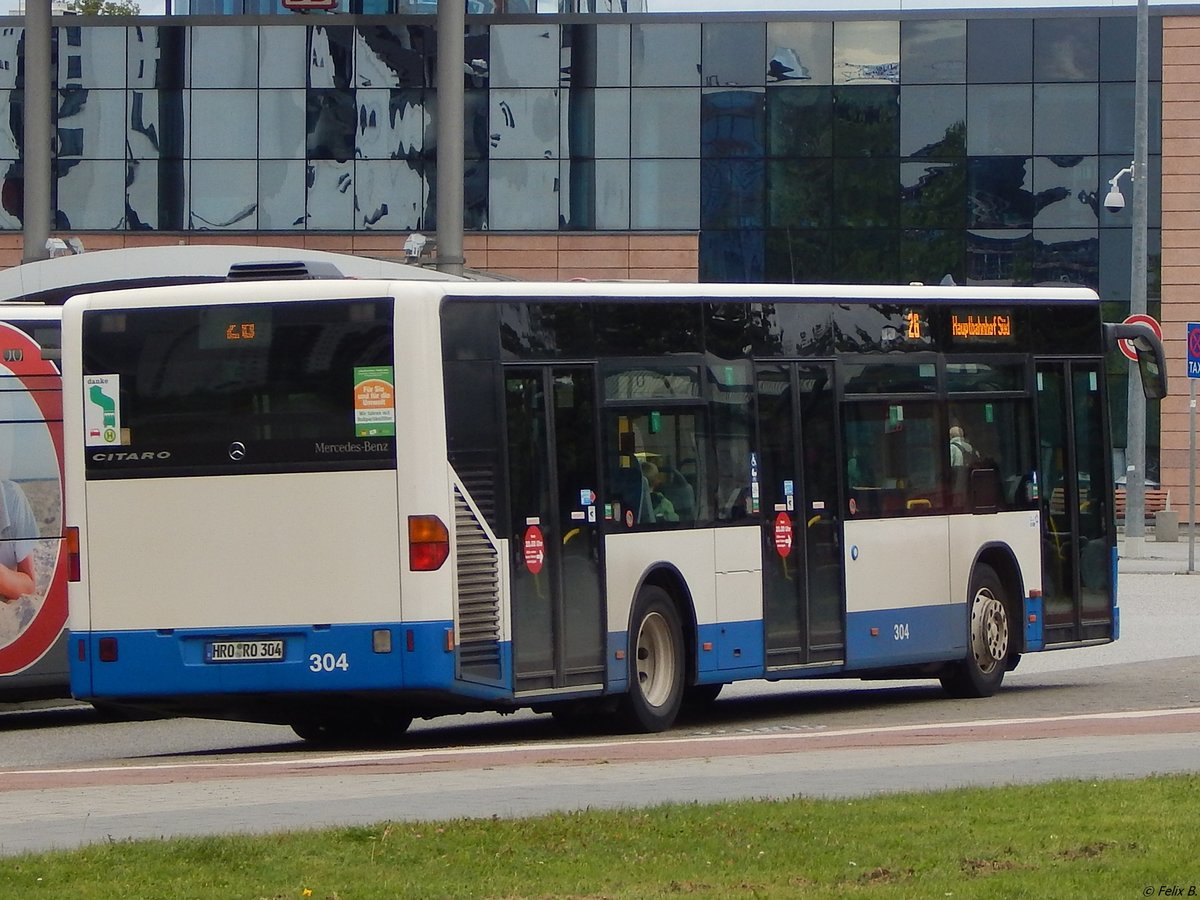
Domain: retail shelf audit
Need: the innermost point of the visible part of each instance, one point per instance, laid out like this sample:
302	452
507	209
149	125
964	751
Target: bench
1157	500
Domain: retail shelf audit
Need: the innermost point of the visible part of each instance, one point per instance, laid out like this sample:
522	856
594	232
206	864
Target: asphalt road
1120	710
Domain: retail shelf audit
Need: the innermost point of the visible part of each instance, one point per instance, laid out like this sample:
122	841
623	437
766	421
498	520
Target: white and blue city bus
340	505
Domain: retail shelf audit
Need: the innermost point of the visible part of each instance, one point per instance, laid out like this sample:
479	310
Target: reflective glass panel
866	52
1118	48
933	121
9	140
331	121
525	56
523	195
156	57
330	57
866	193
665	123
1065	118
733	53
800	193
732	123
999	256
933	194
666	55
91	123
595	123
282	57
599	55
800	52
665	193
1115	270
794	257
391	123
999	50
330	201
91	194
388	194
933	52
929	256
1064	190
97	60
9	61
1116	117
595	194
224	57
224	124
866	121
11	181
732	256
141	194
800	122
397	56
1066	256
998	119
157	124
223	195
999	192
281	129
732	193
1066	49
524	124
281	187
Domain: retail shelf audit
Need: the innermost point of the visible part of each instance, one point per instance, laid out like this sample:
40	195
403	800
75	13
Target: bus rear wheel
989	639
656	663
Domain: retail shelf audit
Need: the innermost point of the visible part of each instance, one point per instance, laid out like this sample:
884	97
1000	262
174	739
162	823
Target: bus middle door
557	597
803	612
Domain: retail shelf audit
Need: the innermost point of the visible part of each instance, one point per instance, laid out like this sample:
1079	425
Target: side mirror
1151	359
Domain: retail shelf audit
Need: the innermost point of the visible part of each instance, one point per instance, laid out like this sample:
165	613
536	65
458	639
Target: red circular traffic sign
1138	319
535	549
783	534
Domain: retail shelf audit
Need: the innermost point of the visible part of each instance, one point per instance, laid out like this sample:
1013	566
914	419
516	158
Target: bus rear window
234	389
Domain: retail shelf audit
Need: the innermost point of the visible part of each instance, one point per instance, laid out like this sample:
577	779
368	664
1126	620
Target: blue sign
1193	348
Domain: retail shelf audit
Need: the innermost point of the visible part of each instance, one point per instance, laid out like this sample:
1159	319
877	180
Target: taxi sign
1193	350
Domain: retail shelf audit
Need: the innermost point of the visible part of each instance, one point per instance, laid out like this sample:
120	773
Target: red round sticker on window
535	549
783	534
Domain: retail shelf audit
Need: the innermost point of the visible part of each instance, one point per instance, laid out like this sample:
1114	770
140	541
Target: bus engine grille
478	578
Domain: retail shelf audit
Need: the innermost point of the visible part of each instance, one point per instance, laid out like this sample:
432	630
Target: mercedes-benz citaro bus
339	505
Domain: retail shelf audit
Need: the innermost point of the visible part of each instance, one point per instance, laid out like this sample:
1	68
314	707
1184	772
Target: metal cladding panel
244	551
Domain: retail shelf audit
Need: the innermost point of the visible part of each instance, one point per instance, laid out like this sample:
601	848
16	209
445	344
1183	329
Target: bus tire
989	639
656	663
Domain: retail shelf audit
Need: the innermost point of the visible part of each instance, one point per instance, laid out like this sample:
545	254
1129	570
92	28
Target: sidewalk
1157	557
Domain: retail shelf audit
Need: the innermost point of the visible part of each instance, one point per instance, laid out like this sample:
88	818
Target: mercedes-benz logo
237	451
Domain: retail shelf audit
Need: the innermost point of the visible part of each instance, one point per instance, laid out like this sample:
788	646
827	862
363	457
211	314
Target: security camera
1114	201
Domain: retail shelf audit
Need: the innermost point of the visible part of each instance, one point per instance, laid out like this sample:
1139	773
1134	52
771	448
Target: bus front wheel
989	639
656	663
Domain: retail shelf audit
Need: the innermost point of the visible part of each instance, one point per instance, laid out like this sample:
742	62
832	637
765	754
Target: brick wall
1180	238
532	257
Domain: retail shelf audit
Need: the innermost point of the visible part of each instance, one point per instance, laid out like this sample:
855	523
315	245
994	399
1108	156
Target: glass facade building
799	149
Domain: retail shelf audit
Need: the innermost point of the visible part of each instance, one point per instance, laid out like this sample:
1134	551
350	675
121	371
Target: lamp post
451	22
1135	444
36	151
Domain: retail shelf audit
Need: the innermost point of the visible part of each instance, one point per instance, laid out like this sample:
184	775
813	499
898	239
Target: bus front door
557	601
802	558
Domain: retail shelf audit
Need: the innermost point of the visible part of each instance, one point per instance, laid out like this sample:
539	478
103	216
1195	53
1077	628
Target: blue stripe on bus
154	663
894	637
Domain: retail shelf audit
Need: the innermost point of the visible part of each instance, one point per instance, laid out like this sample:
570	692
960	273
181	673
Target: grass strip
1088	839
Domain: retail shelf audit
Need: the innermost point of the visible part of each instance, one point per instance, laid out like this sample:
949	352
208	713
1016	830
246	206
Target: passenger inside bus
660	503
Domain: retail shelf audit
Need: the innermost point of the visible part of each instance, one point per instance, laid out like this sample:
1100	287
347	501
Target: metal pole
1135	474
1192	476
451	24
36	150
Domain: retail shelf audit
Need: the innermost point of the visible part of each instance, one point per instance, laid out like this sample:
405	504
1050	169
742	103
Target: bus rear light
71	540
410	640
108	649
449	640
428	543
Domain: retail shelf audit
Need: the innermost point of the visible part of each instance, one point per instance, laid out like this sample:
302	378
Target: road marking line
459	752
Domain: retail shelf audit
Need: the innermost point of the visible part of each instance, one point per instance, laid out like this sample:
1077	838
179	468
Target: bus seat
682	495
633	491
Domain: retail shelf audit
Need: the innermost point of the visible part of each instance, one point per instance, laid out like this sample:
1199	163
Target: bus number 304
327	662
900	631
